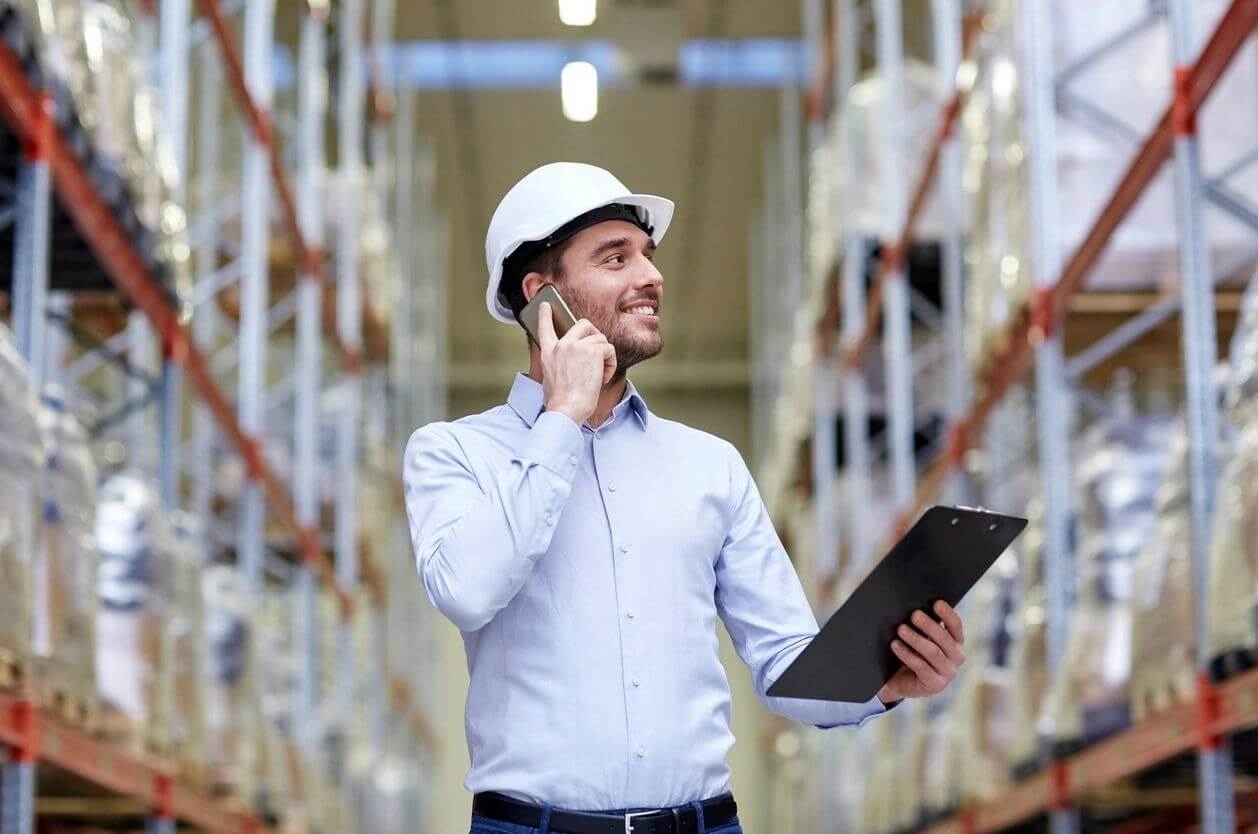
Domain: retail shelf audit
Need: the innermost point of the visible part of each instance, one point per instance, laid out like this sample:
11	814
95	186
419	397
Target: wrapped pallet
1122	461
968	760
911	759
64	609
1162	635
135	587
854	778
1028	661
1113	82
1233	597
21	467
228	717
183	647
275	678
994	180
879	812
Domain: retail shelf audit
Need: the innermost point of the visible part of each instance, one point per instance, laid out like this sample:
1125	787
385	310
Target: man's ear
532	282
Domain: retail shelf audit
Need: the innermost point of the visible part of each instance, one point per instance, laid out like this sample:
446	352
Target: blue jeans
484	825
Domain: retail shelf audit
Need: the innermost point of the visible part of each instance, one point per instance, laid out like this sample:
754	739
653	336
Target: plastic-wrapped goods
99	54
1028	661
328	802
1125	89
272	754
1233	569
21	467
854	777
134	587
227	633
64	609
394	783
968	760
182	674
364	758
1122	462
1162	637
881	787
994	181
275	679
911	760
863	149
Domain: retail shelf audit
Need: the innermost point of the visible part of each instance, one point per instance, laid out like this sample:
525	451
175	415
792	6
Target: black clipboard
945	553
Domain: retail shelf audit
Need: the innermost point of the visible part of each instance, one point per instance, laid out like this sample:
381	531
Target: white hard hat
547	199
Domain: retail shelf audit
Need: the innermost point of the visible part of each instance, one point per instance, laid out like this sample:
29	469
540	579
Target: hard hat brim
659	212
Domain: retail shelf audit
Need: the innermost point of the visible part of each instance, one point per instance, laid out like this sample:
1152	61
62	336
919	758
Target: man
585	546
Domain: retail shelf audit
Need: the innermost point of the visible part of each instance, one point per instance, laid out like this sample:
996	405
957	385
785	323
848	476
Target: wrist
573	414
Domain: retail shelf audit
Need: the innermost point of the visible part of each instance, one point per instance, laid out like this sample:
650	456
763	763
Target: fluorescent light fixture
578	86
578	12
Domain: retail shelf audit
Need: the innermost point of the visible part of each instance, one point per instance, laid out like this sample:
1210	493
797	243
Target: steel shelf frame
1033	340
189	354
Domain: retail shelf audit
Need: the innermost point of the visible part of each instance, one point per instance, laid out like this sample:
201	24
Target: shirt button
572	459
641	752
611	487
624	548
549	519
637	682
629	613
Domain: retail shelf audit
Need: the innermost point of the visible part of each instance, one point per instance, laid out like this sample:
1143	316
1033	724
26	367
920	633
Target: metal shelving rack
325	315
845	324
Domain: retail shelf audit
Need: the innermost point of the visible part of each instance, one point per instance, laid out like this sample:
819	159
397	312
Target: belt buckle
629	819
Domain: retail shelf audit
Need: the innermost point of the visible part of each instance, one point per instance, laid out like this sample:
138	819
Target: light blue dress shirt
586	569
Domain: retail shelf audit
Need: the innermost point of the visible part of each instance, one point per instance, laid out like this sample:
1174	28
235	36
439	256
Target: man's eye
620	258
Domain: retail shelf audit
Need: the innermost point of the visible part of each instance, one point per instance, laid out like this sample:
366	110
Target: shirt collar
525	400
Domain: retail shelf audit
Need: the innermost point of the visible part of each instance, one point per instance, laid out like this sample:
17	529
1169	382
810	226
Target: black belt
681	820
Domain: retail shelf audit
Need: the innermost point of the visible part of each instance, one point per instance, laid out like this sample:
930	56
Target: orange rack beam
25	111
1155	740
375	334
1047	310
42	736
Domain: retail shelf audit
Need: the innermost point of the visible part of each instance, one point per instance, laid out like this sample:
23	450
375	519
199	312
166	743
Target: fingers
941	638
583	329
933	654
545	327
609	363
951	621
926	673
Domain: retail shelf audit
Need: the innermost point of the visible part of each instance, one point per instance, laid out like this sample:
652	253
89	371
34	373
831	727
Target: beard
632	344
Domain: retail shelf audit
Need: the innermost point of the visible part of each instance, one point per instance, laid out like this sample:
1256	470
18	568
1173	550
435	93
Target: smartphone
560	315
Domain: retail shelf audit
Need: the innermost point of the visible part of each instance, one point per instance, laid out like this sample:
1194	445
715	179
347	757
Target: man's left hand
931	654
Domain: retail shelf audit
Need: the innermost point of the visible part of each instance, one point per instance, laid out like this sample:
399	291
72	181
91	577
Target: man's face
609	277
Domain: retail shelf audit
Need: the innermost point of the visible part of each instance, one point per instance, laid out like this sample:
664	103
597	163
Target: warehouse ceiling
653	135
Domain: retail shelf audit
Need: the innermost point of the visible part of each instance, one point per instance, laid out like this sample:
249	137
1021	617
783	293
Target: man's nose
650	275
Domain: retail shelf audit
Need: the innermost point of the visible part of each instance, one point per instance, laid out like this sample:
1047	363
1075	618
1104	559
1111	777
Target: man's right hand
574	368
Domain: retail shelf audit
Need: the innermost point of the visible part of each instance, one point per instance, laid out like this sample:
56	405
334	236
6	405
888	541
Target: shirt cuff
555	443
874	708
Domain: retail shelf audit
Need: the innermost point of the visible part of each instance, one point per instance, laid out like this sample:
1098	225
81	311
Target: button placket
605	460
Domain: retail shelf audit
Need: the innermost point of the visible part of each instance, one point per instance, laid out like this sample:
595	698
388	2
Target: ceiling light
578	12
578	84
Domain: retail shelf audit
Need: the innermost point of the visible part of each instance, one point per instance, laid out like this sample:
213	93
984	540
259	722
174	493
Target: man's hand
931	654
574	368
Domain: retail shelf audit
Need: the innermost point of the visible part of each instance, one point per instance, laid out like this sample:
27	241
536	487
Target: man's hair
548	261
